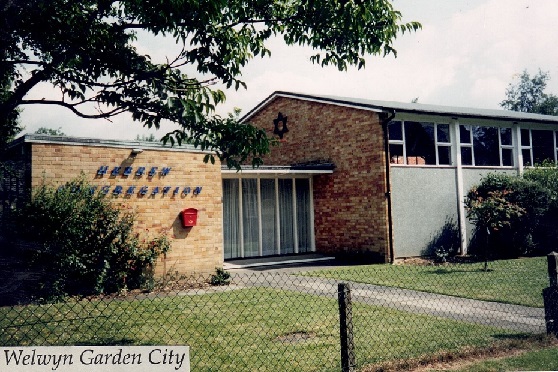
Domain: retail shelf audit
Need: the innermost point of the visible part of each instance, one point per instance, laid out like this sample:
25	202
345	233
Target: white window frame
437	144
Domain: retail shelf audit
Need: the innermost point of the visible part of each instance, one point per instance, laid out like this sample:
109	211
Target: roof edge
97	142
312	98
410	108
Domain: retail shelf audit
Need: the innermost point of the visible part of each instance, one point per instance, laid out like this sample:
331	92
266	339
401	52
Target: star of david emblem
280	131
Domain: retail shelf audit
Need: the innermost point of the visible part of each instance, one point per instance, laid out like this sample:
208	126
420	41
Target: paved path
507	316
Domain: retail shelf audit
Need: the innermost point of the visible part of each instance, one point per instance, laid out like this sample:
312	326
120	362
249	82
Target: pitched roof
409	108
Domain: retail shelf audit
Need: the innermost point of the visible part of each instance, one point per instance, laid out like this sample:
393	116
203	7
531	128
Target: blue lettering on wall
144	190
115	171
117	190
102	170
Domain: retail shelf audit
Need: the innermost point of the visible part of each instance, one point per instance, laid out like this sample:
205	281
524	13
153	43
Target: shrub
221	277
86	244
508	213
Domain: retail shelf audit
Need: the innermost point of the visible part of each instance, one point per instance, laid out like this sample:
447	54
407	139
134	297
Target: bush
86	244
510	214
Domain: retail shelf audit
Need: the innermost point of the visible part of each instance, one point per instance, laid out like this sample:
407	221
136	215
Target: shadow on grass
108	342
443	270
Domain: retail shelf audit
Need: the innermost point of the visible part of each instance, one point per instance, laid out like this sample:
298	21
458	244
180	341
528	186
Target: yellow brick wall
197	249
350	204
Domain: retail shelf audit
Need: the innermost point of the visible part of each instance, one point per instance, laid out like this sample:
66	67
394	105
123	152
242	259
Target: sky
466	54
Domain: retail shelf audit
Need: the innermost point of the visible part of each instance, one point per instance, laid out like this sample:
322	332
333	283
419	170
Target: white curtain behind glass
286	214
303	214
269	217
231	214
250	224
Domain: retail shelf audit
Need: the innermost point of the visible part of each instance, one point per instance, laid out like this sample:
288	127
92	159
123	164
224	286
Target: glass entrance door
267	216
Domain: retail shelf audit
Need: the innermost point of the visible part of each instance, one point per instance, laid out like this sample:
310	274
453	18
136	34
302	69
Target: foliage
510	213
86	244
9	123
89	55
221	277
528	95
50	131
144	138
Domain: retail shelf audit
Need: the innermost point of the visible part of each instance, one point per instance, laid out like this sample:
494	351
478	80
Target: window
417	143
538	146
267	216
486	146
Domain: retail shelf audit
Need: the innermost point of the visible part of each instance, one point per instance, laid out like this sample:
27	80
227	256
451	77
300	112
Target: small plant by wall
85	244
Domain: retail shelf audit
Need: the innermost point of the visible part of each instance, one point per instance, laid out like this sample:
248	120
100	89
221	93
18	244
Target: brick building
401	170
350	177
154	181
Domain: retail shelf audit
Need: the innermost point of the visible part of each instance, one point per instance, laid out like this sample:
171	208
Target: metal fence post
348	362
550	295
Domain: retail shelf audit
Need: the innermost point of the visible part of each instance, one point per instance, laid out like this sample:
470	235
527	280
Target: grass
538	360
518	281
249	329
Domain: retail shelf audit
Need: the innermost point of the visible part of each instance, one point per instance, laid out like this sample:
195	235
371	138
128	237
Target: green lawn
518	281
249	329
539	360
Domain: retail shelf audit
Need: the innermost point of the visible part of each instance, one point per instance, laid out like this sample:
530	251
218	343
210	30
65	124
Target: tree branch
72	107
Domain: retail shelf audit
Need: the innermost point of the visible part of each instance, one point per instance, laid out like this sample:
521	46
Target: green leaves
88	245
528	95
89	55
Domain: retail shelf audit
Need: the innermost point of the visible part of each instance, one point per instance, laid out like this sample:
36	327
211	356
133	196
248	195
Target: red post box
189	217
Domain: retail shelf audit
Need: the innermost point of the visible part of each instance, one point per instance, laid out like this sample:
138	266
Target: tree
528	95
9	124
50	131
86	50
144	138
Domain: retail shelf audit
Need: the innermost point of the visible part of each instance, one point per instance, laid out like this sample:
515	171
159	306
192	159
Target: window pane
506	136
465	134
419	143
466	156
526	157
231	227
395	132
303	214
525	140
269	217
507	157
444	155
543	145
443	133
286	215
485	146
250	224
396	154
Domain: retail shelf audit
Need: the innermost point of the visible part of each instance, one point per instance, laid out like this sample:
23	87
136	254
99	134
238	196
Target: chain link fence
304	318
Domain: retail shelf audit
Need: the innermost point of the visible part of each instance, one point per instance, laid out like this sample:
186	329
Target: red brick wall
350	205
